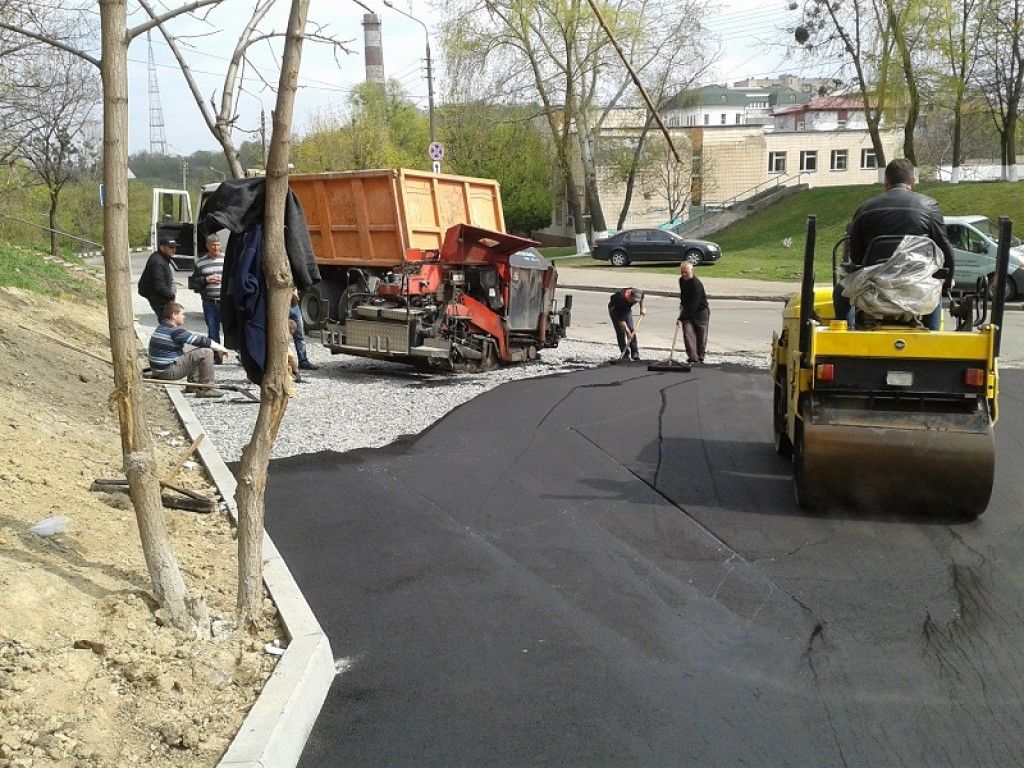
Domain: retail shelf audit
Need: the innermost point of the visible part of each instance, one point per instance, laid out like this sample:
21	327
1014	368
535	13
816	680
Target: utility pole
430	73
184	173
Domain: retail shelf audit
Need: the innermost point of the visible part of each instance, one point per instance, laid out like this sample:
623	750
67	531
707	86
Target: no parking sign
436	152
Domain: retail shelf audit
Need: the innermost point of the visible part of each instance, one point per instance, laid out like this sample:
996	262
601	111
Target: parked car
975	242
631	245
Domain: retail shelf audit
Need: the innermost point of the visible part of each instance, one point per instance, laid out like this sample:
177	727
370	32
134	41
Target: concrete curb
274	732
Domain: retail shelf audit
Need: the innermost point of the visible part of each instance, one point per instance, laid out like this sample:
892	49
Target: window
724	117
738	118
706	117
776	162
868	159
659	236
636	236
809	160
839	159
957	236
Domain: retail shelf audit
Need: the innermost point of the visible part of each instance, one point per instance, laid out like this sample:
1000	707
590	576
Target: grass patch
26	268
557	252
769	245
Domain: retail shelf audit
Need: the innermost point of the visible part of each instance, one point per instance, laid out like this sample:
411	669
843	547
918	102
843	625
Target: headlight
712	249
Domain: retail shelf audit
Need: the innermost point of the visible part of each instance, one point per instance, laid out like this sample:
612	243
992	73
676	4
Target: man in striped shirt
205	281
168	358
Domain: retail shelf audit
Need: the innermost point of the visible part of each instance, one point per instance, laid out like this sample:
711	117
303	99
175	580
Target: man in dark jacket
156	284
620	310
898	211
694	313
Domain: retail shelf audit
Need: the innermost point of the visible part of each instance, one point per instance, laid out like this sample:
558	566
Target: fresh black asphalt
607	568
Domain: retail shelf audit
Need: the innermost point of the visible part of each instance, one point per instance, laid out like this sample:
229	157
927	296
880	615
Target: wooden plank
173	473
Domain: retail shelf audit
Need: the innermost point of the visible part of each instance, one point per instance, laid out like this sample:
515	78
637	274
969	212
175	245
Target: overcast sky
748	29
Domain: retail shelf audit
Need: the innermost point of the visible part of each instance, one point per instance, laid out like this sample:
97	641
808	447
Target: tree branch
57	43
156	21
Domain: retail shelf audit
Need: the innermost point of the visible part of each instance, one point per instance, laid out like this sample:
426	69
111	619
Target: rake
671	364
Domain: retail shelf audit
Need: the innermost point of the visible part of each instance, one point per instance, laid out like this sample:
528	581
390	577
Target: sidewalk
612	279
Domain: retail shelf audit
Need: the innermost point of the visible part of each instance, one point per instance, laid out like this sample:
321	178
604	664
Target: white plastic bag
50	526
902	286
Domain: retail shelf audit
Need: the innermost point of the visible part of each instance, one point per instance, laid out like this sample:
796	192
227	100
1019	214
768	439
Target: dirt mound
88	676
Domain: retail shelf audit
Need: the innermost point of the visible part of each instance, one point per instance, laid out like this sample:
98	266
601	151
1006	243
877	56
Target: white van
975	240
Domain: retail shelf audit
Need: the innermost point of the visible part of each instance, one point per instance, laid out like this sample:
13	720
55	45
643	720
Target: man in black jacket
898	211
694	313
156	284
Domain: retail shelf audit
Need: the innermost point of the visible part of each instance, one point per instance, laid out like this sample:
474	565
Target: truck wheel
783	445
619	259
315	304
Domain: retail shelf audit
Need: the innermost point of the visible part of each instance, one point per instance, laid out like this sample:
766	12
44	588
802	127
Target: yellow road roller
889	417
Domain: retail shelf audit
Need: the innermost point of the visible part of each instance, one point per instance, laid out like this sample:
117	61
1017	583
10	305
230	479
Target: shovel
629	336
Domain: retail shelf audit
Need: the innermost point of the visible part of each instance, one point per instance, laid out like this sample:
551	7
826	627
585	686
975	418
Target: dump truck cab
891	417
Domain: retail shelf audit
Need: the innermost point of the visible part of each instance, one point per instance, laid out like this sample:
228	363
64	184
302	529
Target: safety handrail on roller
807	292
1002	267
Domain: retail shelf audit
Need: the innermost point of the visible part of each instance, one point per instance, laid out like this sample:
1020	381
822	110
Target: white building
735	148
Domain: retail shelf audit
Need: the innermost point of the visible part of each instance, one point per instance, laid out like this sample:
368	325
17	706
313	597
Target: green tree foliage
377	129
507	144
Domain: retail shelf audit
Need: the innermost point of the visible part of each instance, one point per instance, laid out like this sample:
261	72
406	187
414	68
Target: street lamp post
430	74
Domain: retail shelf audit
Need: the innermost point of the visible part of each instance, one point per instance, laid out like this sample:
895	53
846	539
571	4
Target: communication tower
157	140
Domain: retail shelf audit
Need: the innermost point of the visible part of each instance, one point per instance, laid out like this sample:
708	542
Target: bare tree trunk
54	239
136	443
631	176
276	387
1011	146
590	187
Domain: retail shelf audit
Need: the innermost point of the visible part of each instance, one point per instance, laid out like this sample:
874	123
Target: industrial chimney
374	49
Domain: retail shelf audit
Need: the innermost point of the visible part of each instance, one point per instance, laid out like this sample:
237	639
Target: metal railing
741	197
97	246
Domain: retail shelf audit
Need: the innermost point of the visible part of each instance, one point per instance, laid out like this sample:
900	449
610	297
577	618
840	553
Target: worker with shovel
620	309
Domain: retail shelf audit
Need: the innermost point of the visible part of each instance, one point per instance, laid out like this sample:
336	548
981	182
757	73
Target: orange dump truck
416	267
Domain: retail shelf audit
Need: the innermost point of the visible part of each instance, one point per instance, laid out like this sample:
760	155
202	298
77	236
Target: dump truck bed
371	218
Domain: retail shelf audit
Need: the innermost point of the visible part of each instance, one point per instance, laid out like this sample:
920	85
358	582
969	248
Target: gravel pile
354	402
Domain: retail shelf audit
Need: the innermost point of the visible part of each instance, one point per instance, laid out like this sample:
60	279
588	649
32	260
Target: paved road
607	569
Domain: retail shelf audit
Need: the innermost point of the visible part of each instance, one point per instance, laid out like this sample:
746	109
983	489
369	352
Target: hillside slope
756	245
88	677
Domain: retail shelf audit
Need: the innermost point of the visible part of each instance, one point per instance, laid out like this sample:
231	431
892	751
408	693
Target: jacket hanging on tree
238	206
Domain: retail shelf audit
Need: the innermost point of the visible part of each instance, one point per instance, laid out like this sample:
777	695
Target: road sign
436	151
